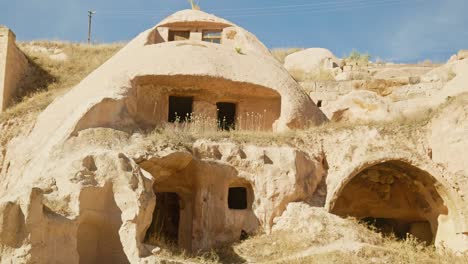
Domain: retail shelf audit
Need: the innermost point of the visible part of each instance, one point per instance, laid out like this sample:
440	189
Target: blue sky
396	30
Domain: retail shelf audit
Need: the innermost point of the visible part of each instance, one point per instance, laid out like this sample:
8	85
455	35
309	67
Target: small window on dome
213	36
179	35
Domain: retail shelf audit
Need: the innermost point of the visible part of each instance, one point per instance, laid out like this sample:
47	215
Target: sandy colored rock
104	176
443	73
453	58
193	17
13	67
360	106
462	54
448	137
107	192
392	74
453	76
353	75
128	182
320	225
311	60
131	90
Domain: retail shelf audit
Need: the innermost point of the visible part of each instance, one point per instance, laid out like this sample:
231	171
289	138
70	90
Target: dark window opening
319	103
179	35
180	109
164	228
226	116
213	36
237	198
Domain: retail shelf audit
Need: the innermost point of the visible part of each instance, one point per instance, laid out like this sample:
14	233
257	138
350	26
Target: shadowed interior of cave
237	198
180	109
166	216
396	198
226	116
400	228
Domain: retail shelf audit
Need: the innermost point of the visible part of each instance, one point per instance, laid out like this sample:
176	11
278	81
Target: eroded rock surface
105	187
311	60
97	177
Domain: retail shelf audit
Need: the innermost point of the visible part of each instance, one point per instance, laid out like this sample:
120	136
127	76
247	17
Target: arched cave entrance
395	197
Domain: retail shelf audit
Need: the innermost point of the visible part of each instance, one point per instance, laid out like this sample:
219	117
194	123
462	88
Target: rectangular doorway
226	116
164	228
180	109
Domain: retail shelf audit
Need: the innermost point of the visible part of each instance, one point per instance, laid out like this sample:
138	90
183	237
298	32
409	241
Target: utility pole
90	16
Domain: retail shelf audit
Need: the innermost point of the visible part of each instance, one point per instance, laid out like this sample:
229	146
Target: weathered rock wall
13	66
102	197
329	92
100	188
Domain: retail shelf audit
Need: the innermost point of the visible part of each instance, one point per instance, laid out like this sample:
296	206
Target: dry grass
185	134
291	247
381	87
250	129
281	54
50	78
396	252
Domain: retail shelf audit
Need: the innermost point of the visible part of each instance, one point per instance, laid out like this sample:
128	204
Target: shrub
358	58
239	50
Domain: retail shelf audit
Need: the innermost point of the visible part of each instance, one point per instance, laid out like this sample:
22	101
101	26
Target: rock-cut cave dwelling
123	203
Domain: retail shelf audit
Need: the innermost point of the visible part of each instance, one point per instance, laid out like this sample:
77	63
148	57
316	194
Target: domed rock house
90	183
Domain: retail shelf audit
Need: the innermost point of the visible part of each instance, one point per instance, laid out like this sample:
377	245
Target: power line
313	11
256	10
312	5
308	10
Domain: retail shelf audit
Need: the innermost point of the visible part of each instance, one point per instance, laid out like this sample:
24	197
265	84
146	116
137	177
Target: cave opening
164	227
394	197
